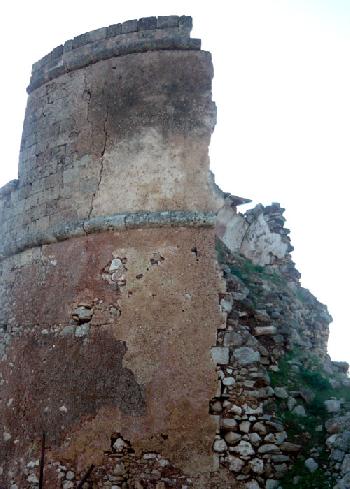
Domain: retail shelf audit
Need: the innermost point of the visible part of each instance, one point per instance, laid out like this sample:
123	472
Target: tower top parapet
132	36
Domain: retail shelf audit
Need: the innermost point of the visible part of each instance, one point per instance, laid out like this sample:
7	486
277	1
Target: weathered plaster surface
127	134
109	290
144	367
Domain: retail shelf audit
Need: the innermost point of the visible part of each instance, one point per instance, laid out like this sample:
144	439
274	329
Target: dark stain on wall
62	381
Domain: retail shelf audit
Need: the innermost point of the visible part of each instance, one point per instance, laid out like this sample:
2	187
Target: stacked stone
251	440
338	428
259	235
274	217
120	469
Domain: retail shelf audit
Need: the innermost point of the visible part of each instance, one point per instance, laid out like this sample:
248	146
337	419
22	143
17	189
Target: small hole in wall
139	276
156	259
164	436
195	252
129	293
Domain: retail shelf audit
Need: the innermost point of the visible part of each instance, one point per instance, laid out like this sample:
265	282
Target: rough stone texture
90	134
259	235
269	316
109	288
124	336
164	33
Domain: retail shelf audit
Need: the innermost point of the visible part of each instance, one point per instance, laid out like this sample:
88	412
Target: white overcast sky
282	87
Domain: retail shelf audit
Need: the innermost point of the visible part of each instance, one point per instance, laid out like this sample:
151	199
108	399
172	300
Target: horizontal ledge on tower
115	222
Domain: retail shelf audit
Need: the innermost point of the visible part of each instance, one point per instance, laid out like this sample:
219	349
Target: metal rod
42	462
86	476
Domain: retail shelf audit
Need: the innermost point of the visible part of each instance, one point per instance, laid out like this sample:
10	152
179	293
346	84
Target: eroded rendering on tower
146	326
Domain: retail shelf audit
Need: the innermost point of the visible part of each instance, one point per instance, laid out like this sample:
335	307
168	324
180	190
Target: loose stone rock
228	423
271	484
291	403
281	392
259	428
268	448
220	355
246	355
236	464
228	381
299	410
252	485
332	405
257	465
232	438
244	427
244	448
311	464
220	446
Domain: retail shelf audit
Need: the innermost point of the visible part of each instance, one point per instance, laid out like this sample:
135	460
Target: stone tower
109	289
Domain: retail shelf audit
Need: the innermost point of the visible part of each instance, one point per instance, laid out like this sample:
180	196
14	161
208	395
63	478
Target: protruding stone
299	410
281	392
244	427
290	447
311	464
252	485
246	355
291	403
219	446
332	405
244	448
228	423
129	26
32	479
6	436
268	448
228	381
231	438
257	465
265	330
220	355
259	428
271	484
82	314
236	409
235	464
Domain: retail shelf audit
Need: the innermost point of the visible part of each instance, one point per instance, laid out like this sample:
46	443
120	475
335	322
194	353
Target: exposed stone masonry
252	442
157	336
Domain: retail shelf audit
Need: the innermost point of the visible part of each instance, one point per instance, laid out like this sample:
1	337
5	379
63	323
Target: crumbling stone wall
158	337
109	286
259	234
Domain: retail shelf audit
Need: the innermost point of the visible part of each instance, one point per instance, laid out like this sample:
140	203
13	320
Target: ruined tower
142	347
109	286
